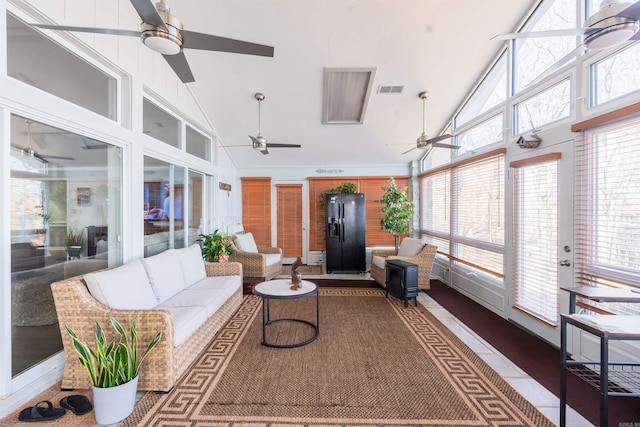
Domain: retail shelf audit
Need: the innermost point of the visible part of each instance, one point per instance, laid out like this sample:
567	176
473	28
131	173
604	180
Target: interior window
197	144
64	222
38	61
159	124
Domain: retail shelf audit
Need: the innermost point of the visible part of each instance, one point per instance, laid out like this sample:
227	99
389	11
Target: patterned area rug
375	363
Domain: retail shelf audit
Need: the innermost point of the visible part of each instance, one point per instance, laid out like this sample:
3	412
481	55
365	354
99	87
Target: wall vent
390	89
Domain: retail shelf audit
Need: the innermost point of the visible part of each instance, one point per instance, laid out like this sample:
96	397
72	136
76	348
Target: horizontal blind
535	237
435	210
608	206
477	200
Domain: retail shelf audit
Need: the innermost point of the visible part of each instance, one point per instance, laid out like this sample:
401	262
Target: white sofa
174	292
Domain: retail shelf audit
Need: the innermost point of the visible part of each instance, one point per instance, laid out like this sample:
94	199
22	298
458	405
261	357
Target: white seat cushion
270	259
186	320
229	284
379	261
126	287
209	299
246	242
410	247
165	274
192	264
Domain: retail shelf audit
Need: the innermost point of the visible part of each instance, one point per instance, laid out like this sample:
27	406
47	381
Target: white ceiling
439	46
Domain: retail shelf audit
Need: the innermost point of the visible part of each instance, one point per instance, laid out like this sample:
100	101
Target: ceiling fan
423	141
614	24
259	142
31	152
162	32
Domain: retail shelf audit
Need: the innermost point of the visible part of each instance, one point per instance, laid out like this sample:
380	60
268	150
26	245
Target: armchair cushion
246	242
410	246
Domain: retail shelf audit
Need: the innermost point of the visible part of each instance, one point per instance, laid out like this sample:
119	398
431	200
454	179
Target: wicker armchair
423	259
255	265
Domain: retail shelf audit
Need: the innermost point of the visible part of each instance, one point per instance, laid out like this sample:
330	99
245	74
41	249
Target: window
159	124
491	92
486	133
37	61
197	144
535	236
615	76
608	208
533	56
56	187
476	228
546	107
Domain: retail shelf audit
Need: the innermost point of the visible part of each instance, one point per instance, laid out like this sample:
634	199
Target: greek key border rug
375	363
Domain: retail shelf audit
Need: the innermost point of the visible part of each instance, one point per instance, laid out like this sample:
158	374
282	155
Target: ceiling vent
346	94
390	89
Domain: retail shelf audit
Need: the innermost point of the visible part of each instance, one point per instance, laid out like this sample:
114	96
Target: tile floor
535	393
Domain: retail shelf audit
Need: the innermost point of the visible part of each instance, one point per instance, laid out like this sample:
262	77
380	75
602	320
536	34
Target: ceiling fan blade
270	145
148	13
551	33
438	139
110	31
193	40
265	151
45	156
409	150
558	64
441	145
180	66
632	11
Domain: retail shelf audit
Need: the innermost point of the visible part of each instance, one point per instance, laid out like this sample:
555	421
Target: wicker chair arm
382	252
269	250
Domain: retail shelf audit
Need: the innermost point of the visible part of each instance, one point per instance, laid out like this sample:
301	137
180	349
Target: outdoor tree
397	211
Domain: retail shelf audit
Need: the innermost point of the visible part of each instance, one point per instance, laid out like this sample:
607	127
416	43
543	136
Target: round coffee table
281	289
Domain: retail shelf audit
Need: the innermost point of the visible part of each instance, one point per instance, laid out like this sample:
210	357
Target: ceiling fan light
612	35
159	42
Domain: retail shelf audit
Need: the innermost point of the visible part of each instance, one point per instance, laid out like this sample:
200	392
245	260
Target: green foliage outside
397	211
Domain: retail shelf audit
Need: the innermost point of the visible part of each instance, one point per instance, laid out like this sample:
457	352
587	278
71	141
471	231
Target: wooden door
290	222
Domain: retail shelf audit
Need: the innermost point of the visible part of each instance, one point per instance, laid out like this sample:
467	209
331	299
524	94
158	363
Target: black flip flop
35	414
76	403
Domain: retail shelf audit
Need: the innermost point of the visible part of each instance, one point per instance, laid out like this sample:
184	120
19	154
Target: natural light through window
546	107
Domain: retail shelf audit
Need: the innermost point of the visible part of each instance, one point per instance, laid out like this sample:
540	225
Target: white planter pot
114	404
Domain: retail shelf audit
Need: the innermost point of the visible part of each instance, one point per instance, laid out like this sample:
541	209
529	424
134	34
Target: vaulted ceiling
439	46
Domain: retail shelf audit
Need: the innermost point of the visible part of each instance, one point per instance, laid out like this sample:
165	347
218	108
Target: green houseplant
216	247
74	242
113	369
397	210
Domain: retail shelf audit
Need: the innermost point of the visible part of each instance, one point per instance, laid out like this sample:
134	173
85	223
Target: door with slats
290	223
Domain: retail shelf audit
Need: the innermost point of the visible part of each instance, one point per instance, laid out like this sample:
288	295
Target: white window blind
535	236
475	200
608	208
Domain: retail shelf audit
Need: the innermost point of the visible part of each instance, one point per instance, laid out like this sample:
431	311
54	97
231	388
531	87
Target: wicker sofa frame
254	265
165	363
424	259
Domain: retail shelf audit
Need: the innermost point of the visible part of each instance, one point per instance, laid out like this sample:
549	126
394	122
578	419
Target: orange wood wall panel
289	212
256	209
372	187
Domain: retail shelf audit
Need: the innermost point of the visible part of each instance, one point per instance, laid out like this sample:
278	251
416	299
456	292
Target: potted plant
74	242
113	369
397	211
216	247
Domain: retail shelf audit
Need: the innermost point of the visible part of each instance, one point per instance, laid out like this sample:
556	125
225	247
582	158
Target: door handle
565	263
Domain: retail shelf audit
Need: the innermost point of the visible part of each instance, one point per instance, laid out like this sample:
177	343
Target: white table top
281	288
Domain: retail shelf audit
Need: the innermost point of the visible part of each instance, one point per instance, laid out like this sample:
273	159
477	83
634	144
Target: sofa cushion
124	287
229	284
165	274
270	259
209	299
192	264
379	261
186	320
410	247
246	242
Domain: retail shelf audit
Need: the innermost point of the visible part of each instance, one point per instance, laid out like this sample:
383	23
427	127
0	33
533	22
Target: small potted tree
397	210
113	369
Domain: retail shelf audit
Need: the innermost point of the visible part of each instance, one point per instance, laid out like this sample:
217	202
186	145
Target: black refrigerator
345	233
